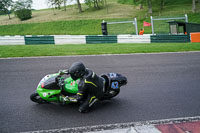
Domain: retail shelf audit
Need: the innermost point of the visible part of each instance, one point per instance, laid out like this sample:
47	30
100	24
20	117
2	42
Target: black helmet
77	70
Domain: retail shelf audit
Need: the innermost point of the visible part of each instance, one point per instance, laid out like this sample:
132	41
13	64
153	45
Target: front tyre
36	98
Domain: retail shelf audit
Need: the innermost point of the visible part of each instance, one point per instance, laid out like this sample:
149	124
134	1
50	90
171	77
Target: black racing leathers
90	90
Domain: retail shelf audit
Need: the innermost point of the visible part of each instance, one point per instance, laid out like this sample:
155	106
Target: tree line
97	4
8	6
21	8
158	2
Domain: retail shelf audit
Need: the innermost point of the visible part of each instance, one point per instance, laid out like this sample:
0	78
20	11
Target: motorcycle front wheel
36	98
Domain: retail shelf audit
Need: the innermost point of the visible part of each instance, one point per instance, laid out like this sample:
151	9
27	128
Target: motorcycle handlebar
61	72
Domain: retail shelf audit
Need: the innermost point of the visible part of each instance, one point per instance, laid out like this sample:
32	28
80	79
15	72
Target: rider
90	87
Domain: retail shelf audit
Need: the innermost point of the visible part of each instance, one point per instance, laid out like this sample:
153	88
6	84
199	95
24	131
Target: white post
186	18
136	28
152	25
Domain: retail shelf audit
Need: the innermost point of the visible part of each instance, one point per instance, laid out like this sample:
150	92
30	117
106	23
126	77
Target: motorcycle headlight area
43	79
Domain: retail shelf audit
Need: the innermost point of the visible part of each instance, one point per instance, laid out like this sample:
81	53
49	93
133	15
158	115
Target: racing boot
66	99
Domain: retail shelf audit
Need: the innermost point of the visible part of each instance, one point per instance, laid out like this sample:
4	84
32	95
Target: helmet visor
74	75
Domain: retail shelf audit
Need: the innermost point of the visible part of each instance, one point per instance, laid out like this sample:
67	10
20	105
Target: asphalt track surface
160	86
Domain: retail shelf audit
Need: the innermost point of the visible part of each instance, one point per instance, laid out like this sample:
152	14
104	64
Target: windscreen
51	84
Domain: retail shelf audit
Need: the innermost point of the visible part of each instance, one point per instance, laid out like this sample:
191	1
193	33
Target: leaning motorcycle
52	86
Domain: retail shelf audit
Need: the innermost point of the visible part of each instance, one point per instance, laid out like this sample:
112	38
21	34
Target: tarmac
160	86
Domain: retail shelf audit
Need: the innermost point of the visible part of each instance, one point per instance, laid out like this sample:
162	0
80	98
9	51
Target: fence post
152	25
136	27
186	18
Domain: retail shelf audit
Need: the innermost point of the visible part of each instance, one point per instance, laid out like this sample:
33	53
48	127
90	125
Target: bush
2	13
23	14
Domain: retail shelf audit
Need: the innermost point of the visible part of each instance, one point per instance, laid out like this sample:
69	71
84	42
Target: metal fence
162	23
123	27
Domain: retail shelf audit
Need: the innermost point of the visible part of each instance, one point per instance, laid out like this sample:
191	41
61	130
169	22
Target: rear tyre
36	98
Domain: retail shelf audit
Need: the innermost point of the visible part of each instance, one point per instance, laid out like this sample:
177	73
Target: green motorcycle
52	86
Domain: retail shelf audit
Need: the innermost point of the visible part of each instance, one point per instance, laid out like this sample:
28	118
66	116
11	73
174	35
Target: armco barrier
133	39
12	40
82	39
101	39
39	40
70	39
169	38
195	37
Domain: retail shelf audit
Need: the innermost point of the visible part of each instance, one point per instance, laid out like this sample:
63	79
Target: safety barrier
39	40
101	39
169	38
96	39
12	40
70	39
195	37
133	39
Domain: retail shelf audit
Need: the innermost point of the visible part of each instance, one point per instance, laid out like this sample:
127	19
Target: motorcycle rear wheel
36	98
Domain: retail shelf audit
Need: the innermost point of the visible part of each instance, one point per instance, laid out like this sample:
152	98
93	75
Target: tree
5	6
79	6
96	3
23	14
193	6
52	4
65	6
149	6
199	2
161	4
58	3
22	9
22	4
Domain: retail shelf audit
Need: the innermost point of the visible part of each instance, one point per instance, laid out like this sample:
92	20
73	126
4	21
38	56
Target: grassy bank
115	10
91	49
73	27
44	22
76	27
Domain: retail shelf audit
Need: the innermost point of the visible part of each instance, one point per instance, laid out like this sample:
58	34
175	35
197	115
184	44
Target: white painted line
132	130
136	129
69	56
146	129
126	130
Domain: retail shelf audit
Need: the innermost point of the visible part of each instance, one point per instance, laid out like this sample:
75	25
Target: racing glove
62	72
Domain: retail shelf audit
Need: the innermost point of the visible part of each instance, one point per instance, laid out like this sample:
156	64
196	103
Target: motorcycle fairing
71	86
114	80
48	88
49	95
51	83
117	80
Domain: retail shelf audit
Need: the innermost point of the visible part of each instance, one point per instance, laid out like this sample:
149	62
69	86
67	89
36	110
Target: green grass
78	27
72	27
91	49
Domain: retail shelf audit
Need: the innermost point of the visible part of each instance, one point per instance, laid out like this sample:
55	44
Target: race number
115	85
44	94
112	75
